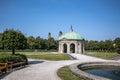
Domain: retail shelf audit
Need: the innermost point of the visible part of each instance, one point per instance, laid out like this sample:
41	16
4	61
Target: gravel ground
44	69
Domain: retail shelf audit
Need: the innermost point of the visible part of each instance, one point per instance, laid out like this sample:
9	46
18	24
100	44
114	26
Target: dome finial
71	29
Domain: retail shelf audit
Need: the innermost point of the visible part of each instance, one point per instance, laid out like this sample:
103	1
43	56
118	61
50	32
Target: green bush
14	58
23	57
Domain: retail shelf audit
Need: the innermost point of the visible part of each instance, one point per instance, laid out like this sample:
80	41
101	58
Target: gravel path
116	58
45	70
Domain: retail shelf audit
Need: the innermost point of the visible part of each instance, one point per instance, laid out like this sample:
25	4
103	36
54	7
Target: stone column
59	48
83	47
68	47
76	47
79	47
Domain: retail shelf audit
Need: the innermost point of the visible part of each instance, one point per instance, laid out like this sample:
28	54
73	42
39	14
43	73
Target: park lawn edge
65	74
50	56
103	55
43	56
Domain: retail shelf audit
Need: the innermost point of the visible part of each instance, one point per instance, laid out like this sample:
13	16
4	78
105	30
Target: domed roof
71	36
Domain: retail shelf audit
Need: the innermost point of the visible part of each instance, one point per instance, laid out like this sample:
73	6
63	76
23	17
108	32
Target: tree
1	41
52	43
38	41
13	39
109	45
106	45
31	42
117	43
44	44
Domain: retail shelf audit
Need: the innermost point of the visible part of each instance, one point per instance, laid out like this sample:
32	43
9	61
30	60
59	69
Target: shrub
23	57
14	58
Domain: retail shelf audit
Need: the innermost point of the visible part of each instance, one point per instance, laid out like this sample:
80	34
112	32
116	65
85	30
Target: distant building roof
71	36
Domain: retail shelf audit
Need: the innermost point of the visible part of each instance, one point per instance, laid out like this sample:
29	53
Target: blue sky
93	19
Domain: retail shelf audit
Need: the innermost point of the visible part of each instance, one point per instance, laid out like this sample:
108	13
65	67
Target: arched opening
82	48
65	48
72	48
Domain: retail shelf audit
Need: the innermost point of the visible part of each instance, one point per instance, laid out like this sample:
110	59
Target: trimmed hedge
14	58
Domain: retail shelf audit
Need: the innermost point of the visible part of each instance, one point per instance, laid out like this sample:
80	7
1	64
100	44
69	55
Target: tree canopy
107	45
13	39
117	42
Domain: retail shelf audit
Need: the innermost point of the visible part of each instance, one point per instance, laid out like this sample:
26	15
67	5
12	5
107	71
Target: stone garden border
87	76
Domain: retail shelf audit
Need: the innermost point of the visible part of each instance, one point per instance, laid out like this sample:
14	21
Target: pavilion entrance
65	48
72	48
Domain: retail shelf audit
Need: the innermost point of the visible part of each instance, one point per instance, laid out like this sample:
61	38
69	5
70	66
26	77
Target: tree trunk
13	51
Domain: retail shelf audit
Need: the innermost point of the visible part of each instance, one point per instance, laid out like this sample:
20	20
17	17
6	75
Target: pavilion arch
72	48
64	48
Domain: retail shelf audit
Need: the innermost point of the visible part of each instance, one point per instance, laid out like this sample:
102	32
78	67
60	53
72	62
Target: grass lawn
40	55
50	56
65	74
4	54
103	55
